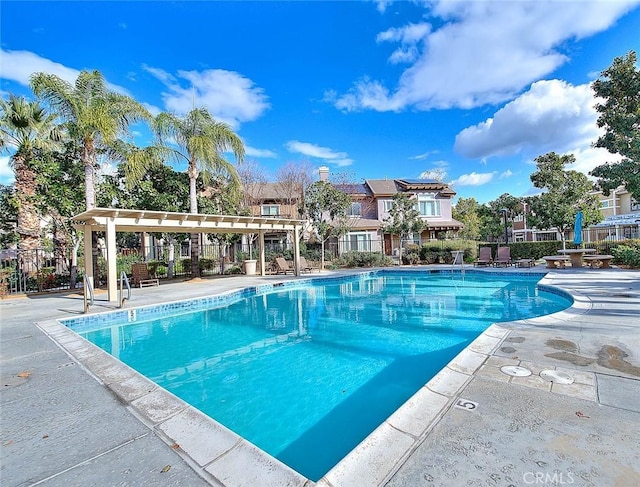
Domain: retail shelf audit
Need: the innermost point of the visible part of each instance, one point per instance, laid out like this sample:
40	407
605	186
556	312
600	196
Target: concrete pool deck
64	424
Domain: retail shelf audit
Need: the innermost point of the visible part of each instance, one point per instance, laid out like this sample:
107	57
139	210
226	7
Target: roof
126	220
272	191
444	224
389	187
382	187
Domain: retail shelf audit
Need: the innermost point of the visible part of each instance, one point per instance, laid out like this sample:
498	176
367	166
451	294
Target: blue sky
472	89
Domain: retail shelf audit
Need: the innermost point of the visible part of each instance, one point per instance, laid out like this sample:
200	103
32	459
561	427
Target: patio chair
484	257
141	275
504	257
305	267
282	267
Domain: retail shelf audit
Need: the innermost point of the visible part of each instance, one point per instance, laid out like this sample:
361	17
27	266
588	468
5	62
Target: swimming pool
308	371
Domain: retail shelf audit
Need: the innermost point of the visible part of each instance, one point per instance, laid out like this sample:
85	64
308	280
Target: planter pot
250	267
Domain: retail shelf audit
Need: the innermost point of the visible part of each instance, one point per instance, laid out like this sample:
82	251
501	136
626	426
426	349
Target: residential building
621	217
621	220
275	200
372	202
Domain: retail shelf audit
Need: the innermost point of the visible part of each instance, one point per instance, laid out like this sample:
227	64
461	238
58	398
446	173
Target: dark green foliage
8	217
362	259
619	87
404	218
627	253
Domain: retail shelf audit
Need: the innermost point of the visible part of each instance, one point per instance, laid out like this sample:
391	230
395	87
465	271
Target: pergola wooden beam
112	220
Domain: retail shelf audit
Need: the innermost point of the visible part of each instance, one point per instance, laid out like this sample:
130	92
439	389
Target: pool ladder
87	293
458	259
124	280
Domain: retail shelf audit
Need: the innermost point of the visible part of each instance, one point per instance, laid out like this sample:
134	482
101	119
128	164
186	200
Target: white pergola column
88	253
296	249
262	252
112	270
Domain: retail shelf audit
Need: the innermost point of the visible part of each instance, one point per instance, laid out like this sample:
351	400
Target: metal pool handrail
124	280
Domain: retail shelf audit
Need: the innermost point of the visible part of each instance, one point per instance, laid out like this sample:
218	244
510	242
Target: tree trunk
195	254
192	171
28	226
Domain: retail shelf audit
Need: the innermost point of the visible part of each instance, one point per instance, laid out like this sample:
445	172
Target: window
355	210
270	210
634	205
358	241
387	205
428	205
605	204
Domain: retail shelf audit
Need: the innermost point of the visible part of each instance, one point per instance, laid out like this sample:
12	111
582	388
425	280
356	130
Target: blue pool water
308	372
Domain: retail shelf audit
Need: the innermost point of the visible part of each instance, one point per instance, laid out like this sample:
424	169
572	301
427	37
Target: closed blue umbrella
577	229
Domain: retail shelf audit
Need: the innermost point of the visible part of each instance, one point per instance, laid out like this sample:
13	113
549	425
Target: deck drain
515	371
556	377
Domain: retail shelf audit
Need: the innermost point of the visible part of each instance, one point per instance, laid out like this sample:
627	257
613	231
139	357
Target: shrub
361	259
627	255
233	270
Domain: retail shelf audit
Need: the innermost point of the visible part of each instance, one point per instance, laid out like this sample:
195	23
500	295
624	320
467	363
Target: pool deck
72	415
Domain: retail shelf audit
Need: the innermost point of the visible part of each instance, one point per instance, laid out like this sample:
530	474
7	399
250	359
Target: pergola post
262	252
112	270
296	249
88	253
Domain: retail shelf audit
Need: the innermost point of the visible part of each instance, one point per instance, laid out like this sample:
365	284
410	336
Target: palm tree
26	127
200	141
94	115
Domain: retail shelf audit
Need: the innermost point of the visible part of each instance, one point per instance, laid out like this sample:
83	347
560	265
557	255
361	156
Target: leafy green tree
8	217
566	193
326	207
25	127
404	218
619	87
466	211
95	117
60	188
493	216
199	140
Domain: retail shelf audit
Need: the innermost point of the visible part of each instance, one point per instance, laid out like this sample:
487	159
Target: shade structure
577	229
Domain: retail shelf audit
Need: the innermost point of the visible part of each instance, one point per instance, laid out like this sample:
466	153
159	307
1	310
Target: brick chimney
323	171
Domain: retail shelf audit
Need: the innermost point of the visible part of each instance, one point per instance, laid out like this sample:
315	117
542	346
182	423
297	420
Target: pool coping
189	432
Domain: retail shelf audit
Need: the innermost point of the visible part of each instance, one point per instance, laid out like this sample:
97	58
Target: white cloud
409	37
381	5
340	159
438	174
424	155
552	116
253	152
482	52
7	175
506	174
18	66
473	179
229	96
587	158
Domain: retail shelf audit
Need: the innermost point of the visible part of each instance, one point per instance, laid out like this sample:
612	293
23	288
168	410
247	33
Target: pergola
112	220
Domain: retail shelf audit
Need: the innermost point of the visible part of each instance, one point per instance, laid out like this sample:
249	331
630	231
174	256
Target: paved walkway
61	426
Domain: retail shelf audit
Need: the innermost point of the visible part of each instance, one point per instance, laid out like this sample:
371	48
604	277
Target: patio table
576	255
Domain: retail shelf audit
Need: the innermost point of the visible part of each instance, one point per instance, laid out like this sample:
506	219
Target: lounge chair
141	275
504	257
305	267
282	267
484	257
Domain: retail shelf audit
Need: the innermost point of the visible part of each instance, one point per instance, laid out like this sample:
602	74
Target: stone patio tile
448	382
417	414
372	460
